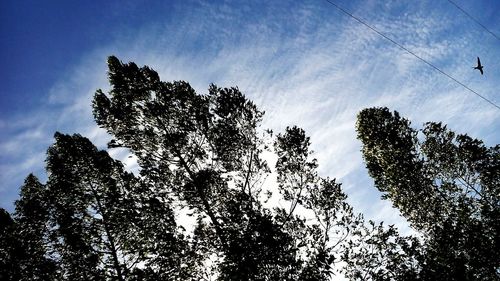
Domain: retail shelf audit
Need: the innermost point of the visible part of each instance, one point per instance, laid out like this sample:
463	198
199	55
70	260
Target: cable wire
410	52
474	19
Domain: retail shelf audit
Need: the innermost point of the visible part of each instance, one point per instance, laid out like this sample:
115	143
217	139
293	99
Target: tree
200	154
31	217
205	150
445	184
104	221
376	252
10	250
254	216
23	240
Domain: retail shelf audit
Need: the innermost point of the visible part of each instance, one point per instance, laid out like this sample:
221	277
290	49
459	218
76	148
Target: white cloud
315	72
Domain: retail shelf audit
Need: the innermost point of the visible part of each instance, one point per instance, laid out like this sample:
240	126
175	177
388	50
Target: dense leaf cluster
448	187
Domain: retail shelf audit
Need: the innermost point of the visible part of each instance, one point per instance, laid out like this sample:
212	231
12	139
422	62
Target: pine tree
31	217
206	151
254	216
103	224
445	184
10	250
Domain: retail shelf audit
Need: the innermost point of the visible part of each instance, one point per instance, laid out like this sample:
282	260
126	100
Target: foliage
200	157
10	253
207	153
380	253
104	221
218	198
445	184
31	218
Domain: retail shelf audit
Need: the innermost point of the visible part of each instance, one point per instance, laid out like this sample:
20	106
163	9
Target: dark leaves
444	184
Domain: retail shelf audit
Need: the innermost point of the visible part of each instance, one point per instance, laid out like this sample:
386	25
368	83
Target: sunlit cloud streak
303	64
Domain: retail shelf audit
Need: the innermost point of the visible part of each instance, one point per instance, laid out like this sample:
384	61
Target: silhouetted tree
200	154
206	151
445	184
376	252
31	217
10	250
104	220
252	216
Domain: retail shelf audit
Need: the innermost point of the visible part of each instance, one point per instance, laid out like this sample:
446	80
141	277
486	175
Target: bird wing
481	70
478	62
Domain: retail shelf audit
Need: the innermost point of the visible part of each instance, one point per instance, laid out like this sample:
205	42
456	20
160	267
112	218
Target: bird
479	66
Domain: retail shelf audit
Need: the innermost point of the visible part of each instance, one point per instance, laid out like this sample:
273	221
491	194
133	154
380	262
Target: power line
410	52
474	19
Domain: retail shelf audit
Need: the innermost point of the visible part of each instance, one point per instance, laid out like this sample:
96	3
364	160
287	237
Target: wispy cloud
305	64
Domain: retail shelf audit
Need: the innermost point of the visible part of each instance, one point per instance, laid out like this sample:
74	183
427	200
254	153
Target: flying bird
479	66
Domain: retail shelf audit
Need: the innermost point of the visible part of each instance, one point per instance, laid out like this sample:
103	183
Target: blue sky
303	62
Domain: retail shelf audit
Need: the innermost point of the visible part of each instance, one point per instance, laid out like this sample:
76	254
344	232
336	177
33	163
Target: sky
303	62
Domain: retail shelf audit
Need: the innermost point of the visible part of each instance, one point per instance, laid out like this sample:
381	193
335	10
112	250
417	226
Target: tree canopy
209	203
448	187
